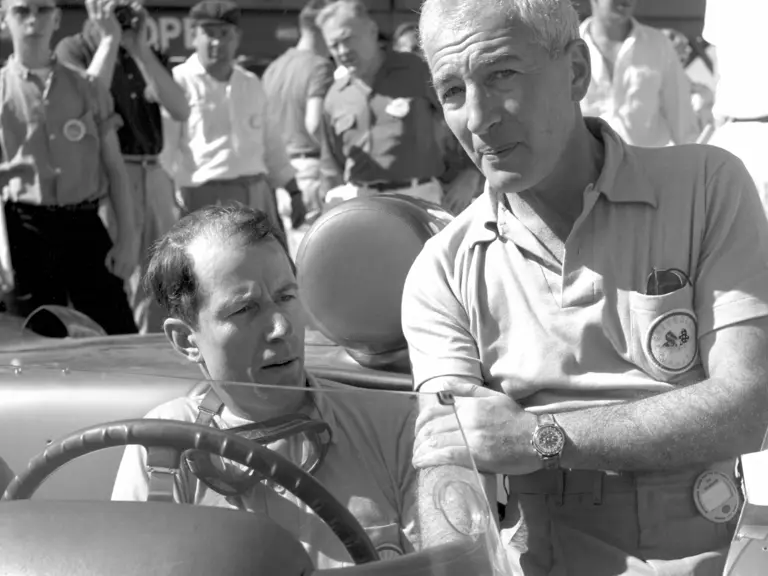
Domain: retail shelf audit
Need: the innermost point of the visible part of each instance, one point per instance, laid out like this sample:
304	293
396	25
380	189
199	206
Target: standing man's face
408	42
510	104
250	322
352	42
31	20
216	43
613	10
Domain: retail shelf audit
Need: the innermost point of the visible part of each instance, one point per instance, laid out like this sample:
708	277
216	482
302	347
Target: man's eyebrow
287	287
441	78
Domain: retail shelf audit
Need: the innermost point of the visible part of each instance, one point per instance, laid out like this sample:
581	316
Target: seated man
229	288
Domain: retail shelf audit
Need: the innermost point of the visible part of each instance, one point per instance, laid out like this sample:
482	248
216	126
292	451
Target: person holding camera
114	47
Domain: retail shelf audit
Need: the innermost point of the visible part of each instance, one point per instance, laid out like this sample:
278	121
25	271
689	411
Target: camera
127	17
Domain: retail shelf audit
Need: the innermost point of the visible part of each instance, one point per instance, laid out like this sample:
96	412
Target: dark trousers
58	257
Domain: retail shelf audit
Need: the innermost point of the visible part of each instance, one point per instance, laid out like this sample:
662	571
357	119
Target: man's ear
183	339
577	52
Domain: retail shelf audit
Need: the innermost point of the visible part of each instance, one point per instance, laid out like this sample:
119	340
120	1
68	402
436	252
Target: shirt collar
18	68
621	180
324	404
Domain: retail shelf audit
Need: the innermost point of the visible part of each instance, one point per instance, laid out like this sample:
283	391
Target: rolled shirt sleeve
435	322
731	282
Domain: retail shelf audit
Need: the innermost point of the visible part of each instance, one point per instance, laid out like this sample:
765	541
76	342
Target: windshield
348	451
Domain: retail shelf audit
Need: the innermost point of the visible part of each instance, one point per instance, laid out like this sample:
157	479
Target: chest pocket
664	338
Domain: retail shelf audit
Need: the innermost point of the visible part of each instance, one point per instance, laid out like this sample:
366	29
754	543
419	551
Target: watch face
549	440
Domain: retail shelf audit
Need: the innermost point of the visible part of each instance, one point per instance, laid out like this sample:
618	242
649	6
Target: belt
303	155
395	185
238	180
87	206
140	159
571	482
759	119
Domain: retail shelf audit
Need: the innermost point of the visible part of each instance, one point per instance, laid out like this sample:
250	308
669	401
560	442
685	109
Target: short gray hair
554	23
349	8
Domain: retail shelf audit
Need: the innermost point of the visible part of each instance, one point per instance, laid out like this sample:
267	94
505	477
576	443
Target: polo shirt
60	125
289	81
367	468
485	301
383	133
142	131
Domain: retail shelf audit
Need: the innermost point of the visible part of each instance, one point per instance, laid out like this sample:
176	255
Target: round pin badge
716	496
74	130
671	341
399	107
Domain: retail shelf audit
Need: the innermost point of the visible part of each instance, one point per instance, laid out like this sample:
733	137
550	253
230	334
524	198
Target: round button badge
716	496
671	341
74	130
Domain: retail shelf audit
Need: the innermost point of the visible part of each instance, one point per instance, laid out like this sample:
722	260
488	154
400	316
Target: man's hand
136	40
497	430
123	258
101	13
20	167
298	209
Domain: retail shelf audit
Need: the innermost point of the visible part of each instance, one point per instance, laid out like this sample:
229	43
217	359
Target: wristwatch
548	440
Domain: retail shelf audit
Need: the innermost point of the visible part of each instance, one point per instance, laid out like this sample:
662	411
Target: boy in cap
230	149
61	124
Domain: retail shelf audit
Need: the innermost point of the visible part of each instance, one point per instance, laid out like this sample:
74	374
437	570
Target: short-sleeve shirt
383	133
60	124
485	301
142	131
367	468
289	81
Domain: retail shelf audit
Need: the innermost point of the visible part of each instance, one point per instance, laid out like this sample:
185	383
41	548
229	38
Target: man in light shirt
230	149
736	29
638	84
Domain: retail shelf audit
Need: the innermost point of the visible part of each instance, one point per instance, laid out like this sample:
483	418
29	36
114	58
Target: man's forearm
699	424
103	63
169	94
119	194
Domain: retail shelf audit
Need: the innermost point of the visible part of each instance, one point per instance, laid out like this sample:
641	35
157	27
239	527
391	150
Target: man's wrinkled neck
255	409
615	29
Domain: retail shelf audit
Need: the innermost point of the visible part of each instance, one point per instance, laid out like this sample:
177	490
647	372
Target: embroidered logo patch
389	551
671	342
74	130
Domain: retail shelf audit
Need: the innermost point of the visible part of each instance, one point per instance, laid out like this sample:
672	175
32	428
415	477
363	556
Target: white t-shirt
737	30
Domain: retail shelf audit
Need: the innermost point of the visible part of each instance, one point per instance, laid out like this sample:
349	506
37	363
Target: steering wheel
182	436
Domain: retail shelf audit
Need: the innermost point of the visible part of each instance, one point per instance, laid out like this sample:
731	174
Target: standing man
119	55
231	148
735	29
61	123
295	85
638	84
382	119
603	308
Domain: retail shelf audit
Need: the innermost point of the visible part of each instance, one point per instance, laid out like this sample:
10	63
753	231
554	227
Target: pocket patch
671	341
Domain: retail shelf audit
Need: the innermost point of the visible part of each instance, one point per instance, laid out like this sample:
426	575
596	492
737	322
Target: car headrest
352	265
71	538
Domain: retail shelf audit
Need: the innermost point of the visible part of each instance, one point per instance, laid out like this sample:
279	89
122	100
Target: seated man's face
250	323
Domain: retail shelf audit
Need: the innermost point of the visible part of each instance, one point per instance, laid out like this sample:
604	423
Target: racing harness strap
167	468
164	464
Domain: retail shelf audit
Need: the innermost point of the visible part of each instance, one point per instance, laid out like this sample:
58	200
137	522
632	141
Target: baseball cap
215	12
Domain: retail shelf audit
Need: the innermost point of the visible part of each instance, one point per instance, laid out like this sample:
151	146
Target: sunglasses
230	479
24	12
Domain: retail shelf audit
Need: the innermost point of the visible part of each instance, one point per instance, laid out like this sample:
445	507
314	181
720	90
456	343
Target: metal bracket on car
446	398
